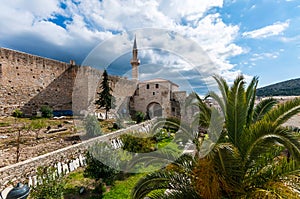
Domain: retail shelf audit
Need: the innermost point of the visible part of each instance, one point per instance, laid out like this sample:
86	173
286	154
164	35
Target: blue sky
252	37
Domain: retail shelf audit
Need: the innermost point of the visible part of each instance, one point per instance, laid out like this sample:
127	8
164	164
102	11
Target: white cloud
95	21
267	31
263	56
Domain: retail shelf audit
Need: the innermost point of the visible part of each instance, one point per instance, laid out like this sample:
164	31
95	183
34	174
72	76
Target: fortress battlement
15	57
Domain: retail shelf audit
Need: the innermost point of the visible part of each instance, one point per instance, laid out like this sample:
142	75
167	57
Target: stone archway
154	109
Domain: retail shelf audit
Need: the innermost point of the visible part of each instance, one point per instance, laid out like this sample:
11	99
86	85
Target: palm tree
175	178
247	160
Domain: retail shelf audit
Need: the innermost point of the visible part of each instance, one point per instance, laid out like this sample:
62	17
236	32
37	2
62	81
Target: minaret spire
135	62
134	43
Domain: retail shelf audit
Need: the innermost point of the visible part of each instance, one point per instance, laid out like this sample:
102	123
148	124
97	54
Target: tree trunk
18	145
106	114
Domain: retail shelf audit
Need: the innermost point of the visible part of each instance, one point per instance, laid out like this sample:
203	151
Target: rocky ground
56	134
30	145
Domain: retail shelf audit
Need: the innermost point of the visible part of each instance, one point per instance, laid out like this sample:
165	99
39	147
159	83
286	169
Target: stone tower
135	62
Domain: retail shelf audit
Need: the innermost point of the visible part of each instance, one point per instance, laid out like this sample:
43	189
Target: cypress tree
106	99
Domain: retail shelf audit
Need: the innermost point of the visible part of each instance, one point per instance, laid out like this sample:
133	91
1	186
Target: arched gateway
154	109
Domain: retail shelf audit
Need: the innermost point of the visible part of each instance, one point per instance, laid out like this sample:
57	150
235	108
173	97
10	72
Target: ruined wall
27	82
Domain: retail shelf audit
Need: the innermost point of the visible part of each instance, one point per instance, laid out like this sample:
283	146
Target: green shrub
46	111
99	189
49	185
139	117
137	143
92	126
97	169
17	113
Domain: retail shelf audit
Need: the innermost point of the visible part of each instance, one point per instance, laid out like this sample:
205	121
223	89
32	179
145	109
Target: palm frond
284	111
202	118
250	97
280	179
223	86
236	110
262	108
263	134
218	99
159	158
228	163
172	182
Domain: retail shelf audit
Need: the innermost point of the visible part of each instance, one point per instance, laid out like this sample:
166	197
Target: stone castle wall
88	84
27	82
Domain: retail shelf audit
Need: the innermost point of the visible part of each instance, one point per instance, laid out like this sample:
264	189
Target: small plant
36	126
46	111
139	117
17	113
49	185
92	126
97	169
99	189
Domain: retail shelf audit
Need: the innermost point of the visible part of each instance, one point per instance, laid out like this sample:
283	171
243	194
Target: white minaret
135	62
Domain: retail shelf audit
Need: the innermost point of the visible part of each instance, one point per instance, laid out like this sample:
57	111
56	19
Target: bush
49	185
139	117
138	143
17	113
92	126
97	169
46	111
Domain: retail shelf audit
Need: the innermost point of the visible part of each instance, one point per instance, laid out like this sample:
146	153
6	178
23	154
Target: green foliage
172	128
247	161
49	185
118	124
46	111
36	125
178	183
138	143
99	189
102	163
92	126
4	124
139	117
106	99
17	113
122	189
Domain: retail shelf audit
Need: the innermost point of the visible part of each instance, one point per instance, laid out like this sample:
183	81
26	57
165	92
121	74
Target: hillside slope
286	88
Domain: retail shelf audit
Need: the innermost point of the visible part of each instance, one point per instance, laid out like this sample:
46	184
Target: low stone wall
66	159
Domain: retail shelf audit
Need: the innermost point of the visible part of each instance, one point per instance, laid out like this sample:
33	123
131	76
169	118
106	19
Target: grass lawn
122	189
75	180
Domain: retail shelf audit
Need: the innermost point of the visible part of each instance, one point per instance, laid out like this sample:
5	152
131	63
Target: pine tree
106	99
